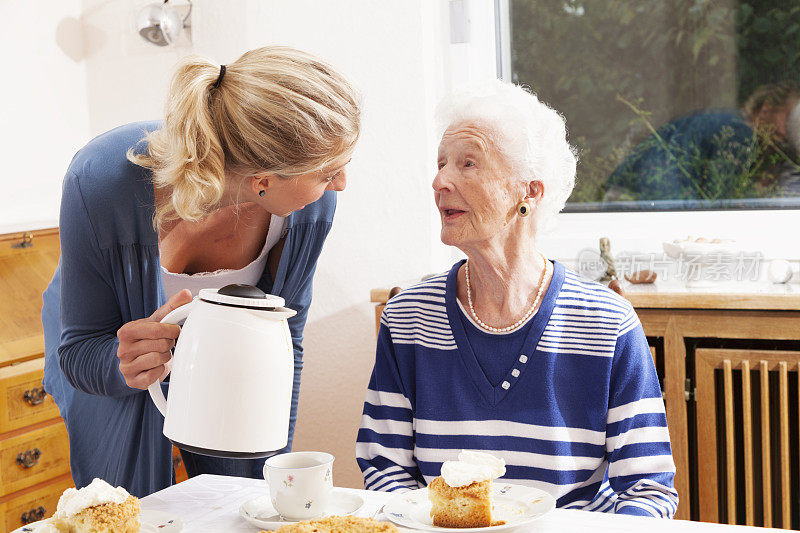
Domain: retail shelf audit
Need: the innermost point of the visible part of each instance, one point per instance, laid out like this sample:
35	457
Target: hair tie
221	75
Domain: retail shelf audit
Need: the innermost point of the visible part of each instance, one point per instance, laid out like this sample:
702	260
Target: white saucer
260	512
152	522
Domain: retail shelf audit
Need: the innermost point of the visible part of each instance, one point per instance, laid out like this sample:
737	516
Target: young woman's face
284	195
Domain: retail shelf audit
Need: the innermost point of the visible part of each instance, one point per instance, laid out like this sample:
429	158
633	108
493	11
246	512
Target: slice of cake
97	508
339	524
462	495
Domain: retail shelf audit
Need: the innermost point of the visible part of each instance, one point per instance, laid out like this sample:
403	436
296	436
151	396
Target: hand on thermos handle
144	345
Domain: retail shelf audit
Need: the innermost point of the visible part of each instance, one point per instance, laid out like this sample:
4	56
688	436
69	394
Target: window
686	104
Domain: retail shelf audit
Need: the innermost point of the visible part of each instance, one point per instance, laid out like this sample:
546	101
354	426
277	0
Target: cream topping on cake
472	467
98	492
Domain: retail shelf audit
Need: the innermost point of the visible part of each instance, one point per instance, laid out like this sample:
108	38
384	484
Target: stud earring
262	193
523	208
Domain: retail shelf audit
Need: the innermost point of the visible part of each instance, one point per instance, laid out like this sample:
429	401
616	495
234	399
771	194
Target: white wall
384	221
127	77
43	119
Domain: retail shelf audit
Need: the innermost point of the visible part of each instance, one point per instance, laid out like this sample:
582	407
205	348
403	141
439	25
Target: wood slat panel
677	420
747	430
783	374
766	464
707	486
727	378
773	403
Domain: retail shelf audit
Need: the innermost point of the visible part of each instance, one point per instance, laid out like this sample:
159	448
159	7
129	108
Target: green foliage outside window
619	69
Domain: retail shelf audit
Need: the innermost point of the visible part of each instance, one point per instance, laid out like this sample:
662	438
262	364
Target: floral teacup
300	483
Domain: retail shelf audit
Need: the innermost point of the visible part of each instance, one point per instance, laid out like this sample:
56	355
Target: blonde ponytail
276	110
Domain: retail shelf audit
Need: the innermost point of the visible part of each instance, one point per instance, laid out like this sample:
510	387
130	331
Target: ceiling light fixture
160	24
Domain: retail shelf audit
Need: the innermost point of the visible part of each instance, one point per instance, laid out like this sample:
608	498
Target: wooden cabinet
692	334
34	448
685	328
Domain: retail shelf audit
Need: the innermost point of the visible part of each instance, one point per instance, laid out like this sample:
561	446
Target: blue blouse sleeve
90	313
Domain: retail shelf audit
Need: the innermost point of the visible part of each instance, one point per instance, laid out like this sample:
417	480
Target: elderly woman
509	352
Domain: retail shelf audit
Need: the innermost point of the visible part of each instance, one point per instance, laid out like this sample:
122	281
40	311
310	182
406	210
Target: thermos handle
176	316
279	313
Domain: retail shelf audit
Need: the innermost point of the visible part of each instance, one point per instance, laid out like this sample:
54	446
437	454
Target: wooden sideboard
727	321
34	448
682	324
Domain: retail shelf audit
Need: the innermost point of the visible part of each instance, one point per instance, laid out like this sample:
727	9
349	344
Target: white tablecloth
211	504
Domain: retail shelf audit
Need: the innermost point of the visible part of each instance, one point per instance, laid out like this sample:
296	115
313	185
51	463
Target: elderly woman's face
473	190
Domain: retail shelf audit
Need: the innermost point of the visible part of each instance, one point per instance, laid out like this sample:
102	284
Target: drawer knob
34	515
26	242
34	396
29	458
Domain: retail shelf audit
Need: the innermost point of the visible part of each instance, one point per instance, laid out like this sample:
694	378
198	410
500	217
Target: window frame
767	230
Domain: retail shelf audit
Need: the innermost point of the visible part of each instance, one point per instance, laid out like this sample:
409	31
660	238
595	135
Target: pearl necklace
518	323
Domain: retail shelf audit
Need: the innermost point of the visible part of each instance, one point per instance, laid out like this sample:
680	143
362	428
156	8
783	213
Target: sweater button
506	385
523	359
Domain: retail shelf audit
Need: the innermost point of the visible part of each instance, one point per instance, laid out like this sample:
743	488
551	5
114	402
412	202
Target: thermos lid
239	295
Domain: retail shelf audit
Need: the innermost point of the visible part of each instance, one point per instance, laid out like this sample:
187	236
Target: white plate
516	505
152	522
260	512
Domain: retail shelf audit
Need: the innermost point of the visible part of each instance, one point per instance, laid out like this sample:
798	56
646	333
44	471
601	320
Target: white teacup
300	483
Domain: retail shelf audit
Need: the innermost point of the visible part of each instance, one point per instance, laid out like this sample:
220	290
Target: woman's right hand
144	345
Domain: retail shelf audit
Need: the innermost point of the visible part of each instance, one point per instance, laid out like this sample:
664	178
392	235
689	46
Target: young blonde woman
236	185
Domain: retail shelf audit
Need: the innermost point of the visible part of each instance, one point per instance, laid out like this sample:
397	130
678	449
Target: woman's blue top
109	274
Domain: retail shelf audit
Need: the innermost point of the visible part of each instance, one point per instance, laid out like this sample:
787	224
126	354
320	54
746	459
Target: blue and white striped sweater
579	415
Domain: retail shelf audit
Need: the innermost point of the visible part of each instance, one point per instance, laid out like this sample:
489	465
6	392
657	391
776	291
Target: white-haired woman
236	185
509	352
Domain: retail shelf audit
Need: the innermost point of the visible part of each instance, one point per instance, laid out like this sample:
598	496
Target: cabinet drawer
39	501
33	457
22	399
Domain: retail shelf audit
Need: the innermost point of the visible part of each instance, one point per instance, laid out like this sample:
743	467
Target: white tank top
249	275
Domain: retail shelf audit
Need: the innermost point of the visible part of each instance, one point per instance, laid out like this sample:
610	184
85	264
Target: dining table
211	503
